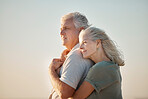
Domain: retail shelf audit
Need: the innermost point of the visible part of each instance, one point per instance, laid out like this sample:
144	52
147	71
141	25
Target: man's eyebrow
63	26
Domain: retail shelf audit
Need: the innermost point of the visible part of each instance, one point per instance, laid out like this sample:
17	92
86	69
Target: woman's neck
99	56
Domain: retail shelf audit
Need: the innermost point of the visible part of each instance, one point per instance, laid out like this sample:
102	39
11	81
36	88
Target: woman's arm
84	91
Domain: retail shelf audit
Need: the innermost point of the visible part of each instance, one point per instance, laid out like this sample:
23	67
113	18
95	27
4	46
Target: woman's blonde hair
108	45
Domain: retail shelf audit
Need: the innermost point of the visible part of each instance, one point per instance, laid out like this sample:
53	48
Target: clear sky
29	39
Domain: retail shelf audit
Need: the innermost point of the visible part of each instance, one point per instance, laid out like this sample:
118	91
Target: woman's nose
81	46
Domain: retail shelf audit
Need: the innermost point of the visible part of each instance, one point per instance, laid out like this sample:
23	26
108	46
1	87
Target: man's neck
71	47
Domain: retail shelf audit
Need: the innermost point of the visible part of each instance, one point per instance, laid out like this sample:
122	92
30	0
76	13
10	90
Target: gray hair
108	45
79	19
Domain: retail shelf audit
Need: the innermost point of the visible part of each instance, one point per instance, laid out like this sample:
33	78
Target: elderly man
74	68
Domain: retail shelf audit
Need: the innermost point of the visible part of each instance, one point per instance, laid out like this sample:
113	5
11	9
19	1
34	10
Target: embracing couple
89	67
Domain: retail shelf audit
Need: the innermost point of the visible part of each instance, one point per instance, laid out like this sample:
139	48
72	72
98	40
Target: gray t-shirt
74	69
105	77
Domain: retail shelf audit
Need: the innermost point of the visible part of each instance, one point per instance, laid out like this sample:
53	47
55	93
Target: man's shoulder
76	52
76	56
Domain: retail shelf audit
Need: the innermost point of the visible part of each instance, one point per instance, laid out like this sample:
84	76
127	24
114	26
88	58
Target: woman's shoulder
104	65
102	70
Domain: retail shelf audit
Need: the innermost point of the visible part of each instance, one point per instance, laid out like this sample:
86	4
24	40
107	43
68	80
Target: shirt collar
74	48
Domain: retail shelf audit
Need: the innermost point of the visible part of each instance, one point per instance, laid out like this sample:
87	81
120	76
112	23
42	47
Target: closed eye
84	42
66	28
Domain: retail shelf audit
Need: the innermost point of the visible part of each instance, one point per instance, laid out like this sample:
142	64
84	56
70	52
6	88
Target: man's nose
62	32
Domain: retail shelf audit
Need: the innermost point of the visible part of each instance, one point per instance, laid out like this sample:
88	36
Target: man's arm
63	90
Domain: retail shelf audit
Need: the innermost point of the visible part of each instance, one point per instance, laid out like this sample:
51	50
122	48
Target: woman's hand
63	55
58	70
70	98
55	64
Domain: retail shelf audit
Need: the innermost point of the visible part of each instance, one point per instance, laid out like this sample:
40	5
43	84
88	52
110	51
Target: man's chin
64	44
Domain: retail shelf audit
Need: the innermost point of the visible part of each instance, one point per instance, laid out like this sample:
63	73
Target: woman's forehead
84	37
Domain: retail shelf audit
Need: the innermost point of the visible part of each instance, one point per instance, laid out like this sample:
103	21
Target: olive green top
105	77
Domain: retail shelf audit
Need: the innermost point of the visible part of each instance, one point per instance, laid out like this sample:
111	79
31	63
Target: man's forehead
66	22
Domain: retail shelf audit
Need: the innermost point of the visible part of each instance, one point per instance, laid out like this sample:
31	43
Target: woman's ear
82	28
98	43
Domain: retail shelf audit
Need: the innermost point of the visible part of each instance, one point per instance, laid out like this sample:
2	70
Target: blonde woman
103	80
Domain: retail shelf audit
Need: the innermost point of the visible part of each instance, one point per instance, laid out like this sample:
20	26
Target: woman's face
87	46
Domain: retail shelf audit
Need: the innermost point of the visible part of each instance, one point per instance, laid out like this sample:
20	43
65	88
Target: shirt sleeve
101	78
73	70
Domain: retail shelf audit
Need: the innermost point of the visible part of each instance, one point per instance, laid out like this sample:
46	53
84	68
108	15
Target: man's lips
64	38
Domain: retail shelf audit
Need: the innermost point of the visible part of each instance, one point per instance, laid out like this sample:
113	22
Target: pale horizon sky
30	38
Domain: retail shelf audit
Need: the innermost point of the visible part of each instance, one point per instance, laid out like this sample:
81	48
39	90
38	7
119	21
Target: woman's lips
83	51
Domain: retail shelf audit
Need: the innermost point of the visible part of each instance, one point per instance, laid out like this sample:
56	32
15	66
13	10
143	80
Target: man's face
69	34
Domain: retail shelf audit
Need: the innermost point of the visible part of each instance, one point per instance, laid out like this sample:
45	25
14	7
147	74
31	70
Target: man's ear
98	43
